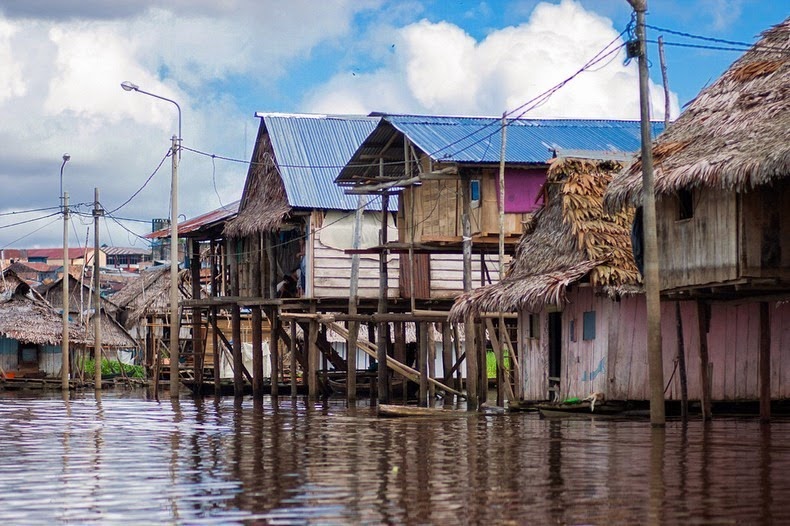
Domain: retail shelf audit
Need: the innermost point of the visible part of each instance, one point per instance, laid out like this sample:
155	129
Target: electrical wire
746	45
30	233
169	152
30	220
16	212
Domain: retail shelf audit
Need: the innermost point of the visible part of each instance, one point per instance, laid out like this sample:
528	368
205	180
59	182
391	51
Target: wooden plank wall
447	273
766	231
534	354
700	250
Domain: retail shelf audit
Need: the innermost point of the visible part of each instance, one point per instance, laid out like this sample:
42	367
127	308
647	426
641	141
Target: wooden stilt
447	353
400	347
483	364
765	363
422	362
238	361
684	392
274	350
703	322
197	316
382	342
257	352
312	358
292	349
214	337
431	363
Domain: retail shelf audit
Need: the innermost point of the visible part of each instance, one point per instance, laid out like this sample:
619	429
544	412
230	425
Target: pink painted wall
615	362
522	190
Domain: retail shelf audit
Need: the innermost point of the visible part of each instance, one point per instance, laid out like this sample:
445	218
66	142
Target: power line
144	184
30	220
16	212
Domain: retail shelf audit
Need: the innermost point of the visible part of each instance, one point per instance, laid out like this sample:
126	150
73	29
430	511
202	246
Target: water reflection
124	458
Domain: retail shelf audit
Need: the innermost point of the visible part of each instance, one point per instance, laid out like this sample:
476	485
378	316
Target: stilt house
30	331
722	179
293	222
577	292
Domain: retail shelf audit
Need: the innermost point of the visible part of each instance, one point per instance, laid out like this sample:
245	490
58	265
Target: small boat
390	411
584	409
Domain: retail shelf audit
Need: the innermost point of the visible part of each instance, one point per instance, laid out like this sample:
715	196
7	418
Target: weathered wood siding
615	362
447	274
330	268
434	211
534	354
700	250
766	231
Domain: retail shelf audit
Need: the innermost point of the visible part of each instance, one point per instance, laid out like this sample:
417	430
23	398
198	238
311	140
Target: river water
125	459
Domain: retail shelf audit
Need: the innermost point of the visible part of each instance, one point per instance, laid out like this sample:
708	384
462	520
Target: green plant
113	368
491	363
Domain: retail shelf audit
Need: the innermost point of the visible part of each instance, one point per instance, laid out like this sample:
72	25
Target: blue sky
63	61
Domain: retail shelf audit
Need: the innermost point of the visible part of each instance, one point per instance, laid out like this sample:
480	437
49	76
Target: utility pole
175	354
64	368
97	213
652	286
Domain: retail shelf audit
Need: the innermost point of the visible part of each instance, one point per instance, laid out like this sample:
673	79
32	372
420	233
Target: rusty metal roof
196	226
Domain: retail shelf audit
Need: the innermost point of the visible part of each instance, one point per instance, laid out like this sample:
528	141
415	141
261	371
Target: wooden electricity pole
652	286
97	213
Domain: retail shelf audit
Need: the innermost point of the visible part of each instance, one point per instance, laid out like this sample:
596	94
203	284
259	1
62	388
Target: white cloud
12	83
443	70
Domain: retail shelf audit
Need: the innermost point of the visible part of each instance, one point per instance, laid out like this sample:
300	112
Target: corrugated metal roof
478	139
311	150
126	251
194	224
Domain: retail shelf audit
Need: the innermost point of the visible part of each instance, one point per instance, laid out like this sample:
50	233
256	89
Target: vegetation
113	368
491	363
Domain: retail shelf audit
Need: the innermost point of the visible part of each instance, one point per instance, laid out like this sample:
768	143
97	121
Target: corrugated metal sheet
126	251
194	224
311	150
478	139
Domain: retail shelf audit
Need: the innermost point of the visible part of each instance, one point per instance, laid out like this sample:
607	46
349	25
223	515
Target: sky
62	63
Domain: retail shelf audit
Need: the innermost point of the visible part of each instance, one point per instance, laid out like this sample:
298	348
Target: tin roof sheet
311	150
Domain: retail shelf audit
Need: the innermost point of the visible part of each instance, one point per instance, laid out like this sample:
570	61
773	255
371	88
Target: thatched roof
569	239
26	317
734	136
264	203
149	295
80	299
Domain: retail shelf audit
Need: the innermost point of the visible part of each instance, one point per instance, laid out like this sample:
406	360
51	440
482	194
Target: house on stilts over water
577	291
722	180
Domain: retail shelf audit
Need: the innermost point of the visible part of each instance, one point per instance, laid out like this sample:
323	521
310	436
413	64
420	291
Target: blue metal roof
478	139
310	151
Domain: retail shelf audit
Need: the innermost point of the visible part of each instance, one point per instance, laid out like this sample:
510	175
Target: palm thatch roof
149	294
568	240
264	203
80	302
734	136
26	317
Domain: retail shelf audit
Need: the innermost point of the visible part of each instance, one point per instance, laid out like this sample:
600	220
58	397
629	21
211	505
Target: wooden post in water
684	392
422	361
469	328
215	264
238	359
292	349
447	354
765	363
382	340
197	316
702	323
353	300
312	357
652	284
256	319
97	340
274	350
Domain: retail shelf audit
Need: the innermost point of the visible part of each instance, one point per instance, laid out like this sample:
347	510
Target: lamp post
174	321
64	345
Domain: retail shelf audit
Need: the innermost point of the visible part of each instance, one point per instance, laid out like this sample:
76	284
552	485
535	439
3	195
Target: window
685	204
588	326
534	326
474	192
28	355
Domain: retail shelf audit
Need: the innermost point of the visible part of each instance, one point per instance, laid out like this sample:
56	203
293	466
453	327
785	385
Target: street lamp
64	343
174	321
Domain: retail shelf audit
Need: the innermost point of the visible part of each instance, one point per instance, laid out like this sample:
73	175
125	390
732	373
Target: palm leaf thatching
149	295
80	301
264	202
568	240
734	136
26	317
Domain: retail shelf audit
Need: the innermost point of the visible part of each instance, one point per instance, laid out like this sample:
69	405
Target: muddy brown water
126	459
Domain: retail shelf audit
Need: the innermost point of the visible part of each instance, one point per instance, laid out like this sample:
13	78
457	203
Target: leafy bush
113	368
491	363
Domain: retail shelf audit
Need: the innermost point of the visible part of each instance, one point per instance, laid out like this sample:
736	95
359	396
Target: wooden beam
257	353
702	326
765	363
